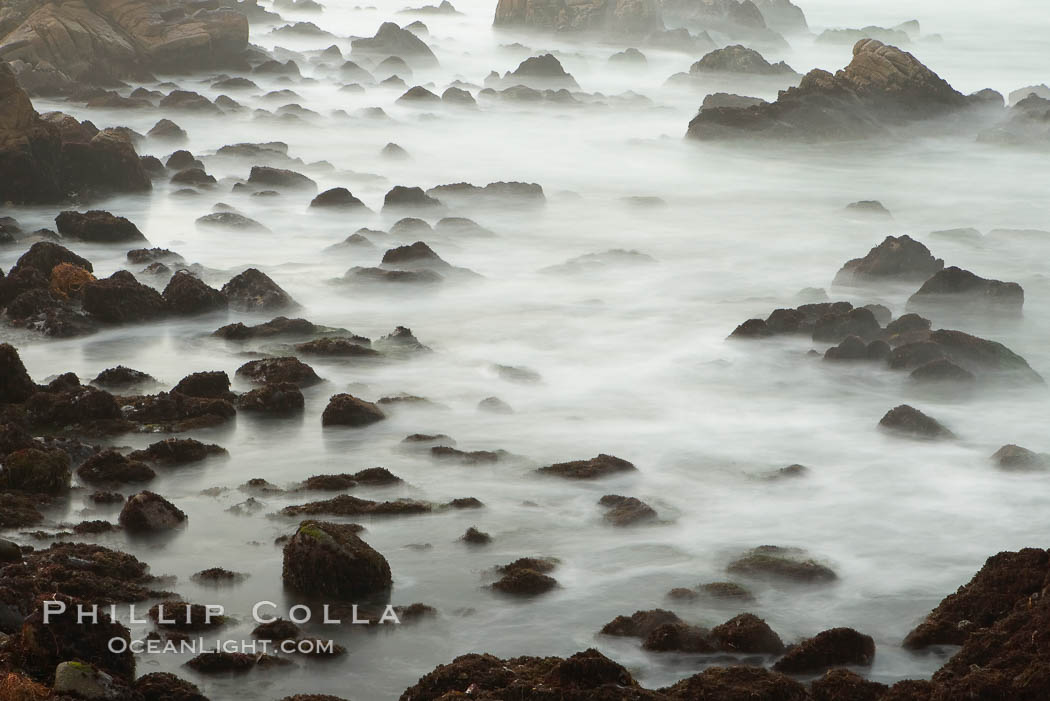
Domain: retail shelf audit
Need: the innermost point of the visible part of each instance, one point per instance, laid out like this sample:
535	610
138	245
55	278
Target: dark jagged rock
277	398
909	421
392	40
601	466
401	340
212	384
121	299
737	684
147	512
954	287
18	386
97	226
831	648
330	560
177	451
110	467
626	511
896	258
882	87
253	291
45	255
475	537
187	295
278	370
747	634
348	410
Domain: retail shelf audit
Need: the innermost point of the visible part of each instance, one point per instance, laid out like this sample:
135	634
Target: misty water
633	357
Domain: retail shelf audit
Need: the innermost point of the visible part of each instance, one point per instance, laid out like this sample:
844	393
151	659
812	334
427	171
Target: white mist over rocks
618	354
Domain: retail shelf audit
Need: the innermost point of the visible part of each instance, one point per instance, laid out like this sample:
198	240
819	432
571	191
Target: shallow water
633	359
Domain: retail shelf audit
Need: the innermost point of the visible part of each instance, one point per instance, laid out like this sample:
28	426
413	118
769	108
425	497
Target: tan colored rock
631	17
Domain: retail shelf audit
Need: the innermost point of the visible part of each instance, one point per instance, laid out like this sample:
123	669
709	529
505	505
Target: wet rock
45	255
382	275
177	451
337	347
188	101
164	686
955	288
269	177
941	371
253	291
400	341
501	194
193	176
9	551
278	326
544	71
851	348
278	629
909	421
882	86
277	398
17	386
844	685
610	17
727	591
213	384
232	662
626	511
495	405
1014	457
747	634
780	563
678	637
338	197
896	258
401	197
418	95
473	457
472	536
346	505
628	57
870	208
183	617
121	299
37	471
601	466
80	680
110	467
168	131
19	510
182	160
831	648
147	512
392	40
836	326
330	560
526	577
737	684
174	411
640	624
144	256
347	410
739	59
187	295
279	370
229	220
97	226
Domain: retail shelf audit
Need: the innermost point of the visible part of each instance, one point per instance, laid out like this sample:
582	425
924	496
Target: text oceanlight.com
197	646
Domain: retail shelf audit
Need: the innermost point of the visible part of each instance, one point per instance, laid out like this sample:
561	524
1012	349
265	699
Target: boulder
110	467
253	290
17	386
174	411
541	72
526	577
678	637
963	292
1014	457
229	220
45	255
844	685
896	258
278	370
337	197
601	466
97	227
121	377
392	40
121	299
778	563
169	132
607	17
214	384
908	421
187	295
329	560
36	471
348	410
268	177
882	87
626	511
747	634
278	398
177	451
739	59
401	197
831	648
147	512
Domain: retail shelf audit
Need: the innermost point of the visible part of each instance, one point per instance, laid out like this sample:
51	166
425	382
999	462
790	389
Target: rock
401	197
346	505
525	577
851	348
721	99
608	17
168	131
337	347
640	624
144	256
831	648
97	227
177	451
626	511
628	57
187	295
278	370
678	637
451	96
870	208
418	95
45	255
163	686
280	398
896	258
498	194
348	410
174	411
330	560
10	552
954	287
739	59
110	467
844	685
473	536
83	409
382	275
36	471
147	512
985	359
392	40
226	663
747	634
276	327
193	176
495	405
942	370
882	86
601	466
908	421
1014	457
737	684
338	197
779	563
17	386
782	15
278	629
253	291
400	341
212	384
729	591
268	177
541	72
121	299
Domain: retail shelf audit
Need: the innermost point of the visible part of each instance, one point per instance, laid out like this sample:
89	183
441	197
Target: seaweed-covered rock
45	255
641	623
601	466
97	226
279	370
831	648
109	466
955	288
626	511
844	685
18	386
164	686
148	512
737	684
330	560
174	411
909	421
274	398
187	295
348	410
780	563
212	384
896	258
121	299
253	291
34	470
747	634
177	451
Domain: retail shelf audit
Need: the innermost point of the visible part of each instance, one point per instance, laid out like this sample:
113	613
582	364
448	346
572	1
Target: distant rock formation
610	17
882	86
61	44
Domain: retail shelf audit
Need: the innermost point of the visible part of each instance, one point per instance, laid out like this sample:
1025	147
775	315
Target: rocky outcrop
147	512
392	40
908	421
959	290
540	72
330	560
253	291
99	41
609	17
42	163
348	410
601	466
739	59
896	258
882	87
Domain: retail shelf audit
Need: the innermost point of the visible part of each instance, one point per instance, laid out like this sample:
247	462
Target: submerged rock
909	421
896	258
962	291
277	370
147	512
330	560
626	511
348	410
1014	457
779	563
601	466
831	648
253	290
747	634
